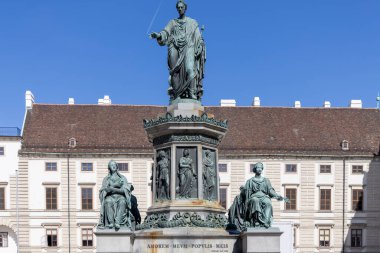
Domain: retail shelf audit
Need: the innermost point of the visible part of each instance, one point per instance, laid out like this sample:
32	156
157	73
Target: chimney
356	103
256	101
29	100
297	104
107	100
327	104
71	101
227	102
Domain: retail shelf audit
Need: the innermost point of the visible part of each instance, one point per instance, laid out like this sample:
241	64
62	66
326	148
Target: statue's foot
117	226
111	225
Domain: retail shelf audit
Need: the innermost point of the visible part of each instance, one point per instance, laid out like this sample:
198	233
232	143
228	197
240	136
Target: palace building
325	160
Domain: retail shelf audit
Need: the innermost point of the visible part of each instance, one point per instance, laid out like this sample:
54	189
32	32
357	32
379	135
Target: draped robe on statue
115	208
186	177
258	207
209	177
186	58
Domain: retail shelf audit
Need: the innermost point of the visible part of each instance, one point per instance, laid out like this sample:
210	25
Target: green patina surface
179	119
183	220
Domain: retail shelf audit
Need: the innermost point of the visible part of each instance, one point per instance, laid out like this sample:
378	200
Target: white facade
308	218
9	147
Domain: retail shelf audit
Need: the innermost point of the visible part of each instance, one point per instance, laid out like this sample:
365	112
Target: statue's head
258	168
113	166
161	154
181	7
186	152
207	153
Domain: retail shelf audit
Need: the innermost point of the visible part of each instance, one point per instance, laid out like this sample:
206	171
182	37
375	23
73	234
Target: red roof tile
252	130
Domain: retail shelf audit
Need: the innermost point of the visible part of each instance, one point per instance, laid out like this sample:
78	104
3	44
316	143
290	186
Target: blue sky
281	51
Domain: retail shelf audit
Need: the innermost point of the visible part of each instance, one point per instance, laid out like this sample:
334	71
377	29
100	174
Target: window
51	198
357	200
325	169
87	198
345	145
223	197
72	142
87	237
325	199
1	151
51	237
291	194
324	237
294	237
251	167
2	198
356	237
123	166
51	166
222	167
87	167
3	239
291	168
357	169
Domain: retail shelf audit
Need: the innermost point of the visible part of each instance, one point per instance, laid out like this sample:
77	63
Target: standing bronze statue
186	175
209	175
253	207
186	55
115	200
163	177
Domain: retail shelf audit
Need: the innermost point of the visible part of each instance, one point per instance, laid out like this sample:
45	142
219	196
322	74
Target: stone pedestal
111	241
186	109
186	240
261	240
185	133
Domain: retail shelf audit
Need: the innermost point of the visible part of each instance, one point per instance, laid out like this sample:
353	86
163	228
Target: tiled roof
252	130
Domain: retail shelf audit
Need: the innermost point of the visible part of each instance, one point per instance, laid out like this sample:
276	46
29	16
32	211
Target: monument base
111	241
186	108
186	240
261	240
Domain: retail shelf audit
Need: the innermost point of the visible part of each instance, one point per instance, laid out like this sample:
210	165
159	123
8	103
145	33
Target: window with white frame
325	168
1	151
51	198
52	237
324	237
123	167
356	238
291	194
357	199
2	198
357	169
87	237
87	198
51	166
3	239
325	199
291	168
87	167
251	167
223	196
222	167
